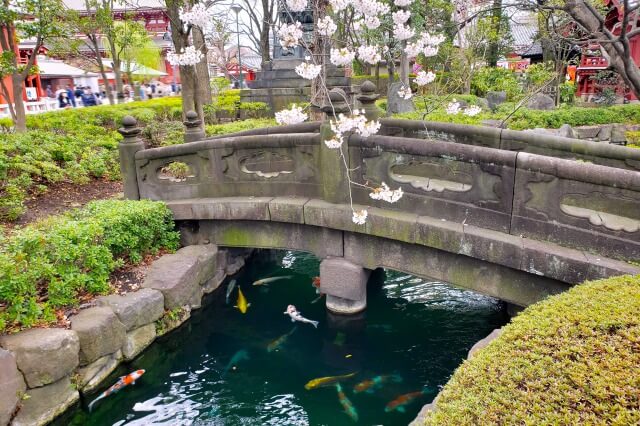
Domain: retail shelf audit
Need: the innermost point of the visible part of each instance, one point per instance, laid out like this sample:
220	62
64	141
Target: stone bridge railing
454	180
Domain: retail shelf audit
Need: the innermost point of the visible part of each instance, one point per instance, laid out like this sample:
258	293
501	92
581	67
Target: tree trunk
118	77
103	73
264	34
20	119
203	84
404	66
496	24
614	48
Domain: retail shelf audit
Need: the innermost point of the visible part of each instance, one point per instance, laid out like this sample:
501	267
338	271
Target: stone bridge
513	215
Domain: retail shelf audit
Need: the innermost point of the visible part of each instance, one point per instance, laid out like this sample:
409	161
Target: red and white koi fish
129	379
297	316
402	401
346	404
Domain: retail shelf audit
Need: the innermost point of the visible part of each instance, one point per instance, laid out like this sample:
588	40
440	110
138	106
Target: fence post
368	98
335	181
128	147
193	131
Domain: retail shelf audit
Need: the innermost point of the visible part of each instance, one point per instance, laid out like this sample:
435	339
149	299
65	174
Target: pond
412	336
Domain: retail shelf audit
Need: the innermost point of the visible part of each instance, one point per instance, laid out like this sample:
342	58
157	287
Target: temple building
593	74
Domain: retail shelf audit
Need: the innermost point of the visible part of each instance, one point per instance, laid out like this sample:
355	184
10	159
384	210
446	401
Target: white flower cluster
326	26
403	32
472	111
290	34
370	7
426	44
342	56
405	93
294	115
385	193
371	22
403	3
308	71
400	17
339	5
423	78
297	5
359	217
199	15
357	123
453	107
369	54
187	57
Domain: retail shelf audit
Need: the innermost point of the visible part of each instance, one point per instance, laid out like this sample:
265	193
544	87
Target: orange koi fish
402	401
370	385
129	379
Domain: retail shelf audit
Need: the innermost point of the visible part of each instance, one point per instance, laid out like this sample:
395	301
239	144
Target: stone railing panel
438	131
458	182
255	165
590	207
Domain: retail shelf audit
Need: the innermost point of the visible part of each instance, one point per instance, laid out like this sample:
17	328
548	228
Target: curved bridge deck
511	224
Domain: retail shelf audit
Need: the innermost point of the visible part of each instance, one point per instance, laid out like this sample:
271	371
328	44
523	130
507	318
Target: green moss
572	359
172	319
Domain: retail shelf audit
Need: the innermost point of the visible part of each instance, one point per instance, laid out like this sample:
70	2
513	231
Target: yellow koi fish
326	381
242	304
274	345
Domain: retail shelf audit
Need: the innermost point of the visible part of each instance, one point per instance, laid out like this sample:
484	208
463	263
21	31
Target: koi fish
346	404
326	381
315	282
279	341
402	401
123	381
241	355
318	298
370	385
297	316
242	304
266	281
230	288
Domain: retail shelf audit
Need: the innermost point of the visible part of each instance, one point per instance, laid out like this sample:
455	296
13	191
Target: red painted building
153	13
32	86
593	62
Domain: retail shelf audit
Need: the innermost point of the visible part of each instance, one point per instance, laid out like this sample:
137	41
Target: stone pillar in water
128	147
345	285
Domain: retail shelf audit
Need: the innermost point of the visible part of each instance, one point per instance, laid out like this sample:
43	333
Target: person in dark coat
88	98
63	100
72	99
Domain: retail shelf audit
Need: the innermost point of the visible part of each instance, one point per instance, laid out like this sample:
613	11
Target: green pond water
415	331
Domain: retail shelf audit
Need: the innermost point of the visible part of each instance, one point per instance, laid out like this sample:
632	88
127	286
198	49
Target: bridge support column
345	285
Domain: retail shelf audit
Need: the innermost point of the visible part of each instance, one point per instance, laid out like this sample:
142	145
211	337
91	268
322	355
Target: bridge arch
511	224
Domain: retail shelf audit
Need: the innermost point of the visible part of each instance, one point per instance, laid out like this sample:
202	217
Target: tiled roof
524	29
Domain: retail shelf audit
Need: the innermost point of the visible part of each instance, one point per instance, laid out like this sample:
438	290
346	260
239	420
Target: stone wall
43	372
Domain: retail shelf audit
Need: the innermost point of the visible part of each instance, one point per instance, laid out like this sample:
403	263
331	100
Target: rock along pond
410	339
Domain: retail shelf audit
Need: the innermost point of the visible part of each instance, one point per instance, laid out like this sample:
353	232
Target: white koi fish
297	316
230	288
266	281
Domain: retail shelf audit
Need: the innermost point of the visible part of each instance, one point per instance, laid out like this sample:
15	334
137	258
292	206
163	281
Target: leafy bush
489	79
238	126
50	264
570	359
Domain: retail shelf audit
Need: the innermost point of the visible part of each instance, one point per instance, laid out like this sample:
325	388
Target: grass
571	359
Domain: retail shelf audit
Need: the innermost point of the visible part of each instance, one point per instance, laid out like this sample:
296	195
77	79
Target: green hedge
529	119
52	263
571	359
238	126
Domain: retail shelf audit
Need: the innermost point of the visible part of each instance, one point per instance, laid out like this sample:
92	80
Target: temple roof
119	5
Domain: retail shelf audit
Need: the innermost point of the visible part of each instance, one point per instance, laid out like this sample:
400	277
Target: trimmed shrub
238	126
571	359
53	263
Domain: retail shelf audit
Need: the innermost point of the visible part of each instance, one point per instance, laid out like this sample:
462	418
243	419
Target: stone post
345	285
128	147
193	130
368	98
334	179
